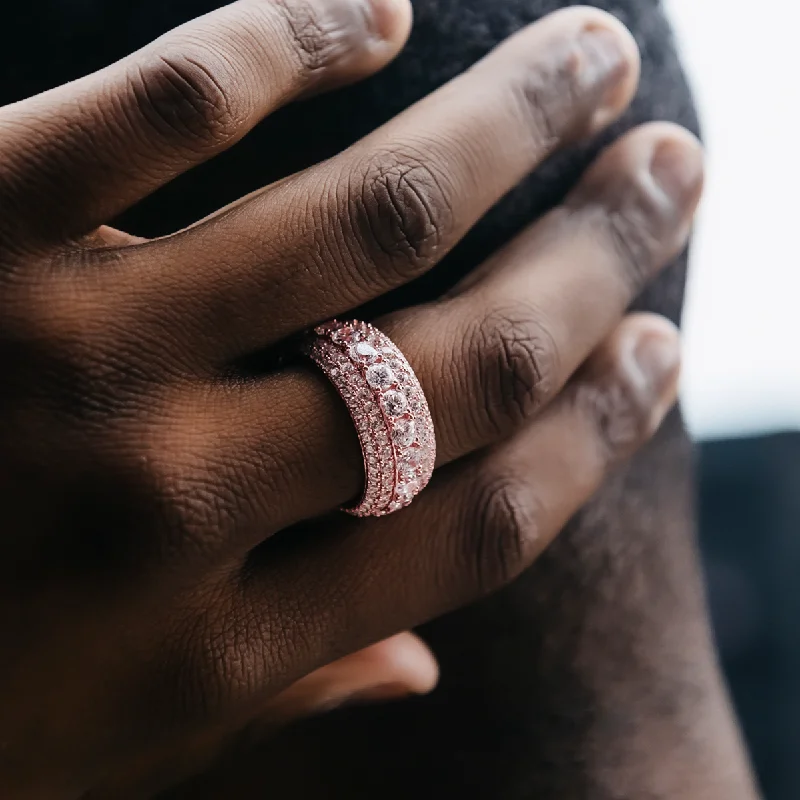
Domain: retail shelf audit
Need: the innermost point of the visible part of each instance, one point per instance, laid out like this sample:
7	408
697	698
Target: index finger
80	154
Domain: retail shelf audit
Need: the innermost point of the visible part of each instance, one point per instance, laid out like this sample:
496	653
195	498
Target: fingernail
657	354
609	59
677	168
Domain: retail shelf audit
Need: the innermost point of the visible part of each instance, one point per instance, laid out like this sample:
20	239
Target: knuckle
26	307
51	337
517	364
503	528
202	667
205	489
194	501
22	144
193	507
634	237
550	95
317	41
181	96
617	411
85	356
401	211
228	649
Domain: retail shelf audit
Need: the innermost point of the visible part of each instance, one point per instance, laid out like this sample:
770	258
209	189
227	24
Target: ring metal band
389	410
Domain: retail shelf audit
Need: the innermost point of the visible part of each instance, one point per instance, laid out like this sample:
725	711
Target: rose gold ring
389	410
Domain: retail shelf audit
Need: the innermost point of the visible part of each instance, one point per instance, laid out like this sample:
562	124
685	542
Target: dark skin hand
147	603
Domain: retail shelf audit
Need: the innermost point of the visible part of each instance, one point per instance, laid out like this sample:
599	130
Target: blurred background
741	388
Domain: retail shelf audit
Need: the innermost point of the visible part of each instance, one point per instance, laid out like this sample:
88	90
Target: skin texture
593	676
167	593
148	387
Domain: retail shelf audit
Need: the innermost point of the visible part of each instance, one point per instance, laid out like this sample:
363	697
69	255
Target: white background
742	343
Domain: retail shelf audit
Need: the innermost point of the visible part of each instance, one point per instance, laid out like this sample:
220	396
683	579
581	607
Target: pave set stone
388	408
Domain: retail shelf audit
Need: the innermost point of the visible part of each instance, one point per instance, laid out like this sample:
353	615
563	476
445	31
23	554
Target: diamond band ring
389	410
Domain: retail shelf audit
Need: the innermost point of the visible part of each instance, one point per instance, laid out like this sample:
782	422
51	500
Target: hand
145	470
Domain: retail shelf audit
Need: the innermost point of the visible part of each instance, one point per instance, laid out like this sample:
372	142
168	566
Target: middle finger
386	210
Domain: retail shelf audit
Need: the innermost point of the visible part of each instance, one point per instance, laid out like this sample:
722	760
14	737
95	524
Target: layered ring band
389	410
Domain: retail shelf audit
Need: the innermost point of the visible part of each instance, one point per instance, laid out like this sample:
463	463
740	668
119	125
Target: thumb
393	668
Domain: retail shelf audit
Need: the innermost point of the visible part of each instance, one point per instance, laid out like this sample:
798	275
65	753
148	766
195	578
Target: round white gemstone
363	351
407	473
404	432
406	491
412	457
395	404
379	376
